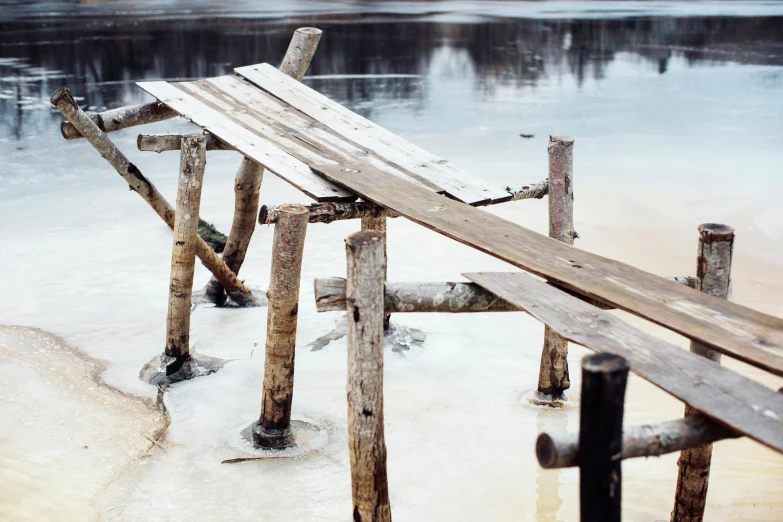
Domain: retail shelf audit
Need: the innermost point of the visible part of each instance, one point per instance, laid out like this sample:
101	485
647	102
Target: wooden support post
122	118
273	430
604	376
713	272
193	159
379	225
553	373
364	312
647	440
65	103
248	179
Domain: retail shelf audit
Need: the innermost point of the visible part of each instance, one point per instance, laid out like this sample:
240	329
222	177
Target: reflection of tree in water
102	58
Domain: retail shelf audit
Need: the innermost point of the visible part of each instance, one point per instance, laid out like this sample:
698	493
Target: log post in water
65	103
183	253
364	312
713	273
553	373
379	225
604	377
273	430
122	118
647	440
248	179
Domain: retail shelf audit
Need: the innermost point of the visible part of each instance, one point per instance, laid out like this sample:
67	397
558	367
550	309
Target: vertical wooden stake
193	159
604	377
365	312
379	224
713	273
273	429
553	374
250	174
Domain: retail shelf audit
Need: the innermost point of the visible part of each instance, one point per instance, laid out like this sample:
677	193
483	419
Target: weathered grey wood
193	159
274	427
533	191
161	142
65	103
648	440
604	376
457	182
246	142
122	118
553	377
378	223
364	313
713	273
329	212
725	396
426	297
250	175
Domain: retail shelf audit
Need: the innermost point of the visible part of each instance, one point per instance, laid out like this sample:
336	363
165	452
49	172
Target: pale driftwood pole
364	311
553	374
378	223
65	103
273	430
713	272
250	175
647	440
193	159
604	377
122	118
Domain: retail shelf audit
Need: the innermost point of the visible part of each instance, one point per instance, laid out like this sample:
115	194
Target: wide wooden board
724	395
458	183
284	165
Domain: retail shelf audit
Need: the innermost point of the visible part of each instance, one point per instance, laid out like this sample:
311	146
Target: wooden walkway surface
333	154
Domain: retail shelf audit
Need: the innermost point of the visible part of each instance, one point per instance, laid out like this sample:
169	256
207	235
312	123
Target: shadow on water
99	58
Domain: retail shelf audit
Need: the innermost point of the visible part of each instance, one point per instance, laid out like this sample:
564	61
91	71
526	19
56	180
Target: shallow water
676	109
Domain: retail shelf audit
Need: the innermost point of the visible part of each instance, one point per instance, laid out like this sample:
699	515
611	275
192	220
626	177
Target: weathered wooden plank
458	182
246	142
727	397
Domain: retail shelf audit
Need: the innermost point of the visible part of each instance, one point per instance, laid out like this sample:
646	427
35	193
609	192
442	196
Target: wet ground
676	109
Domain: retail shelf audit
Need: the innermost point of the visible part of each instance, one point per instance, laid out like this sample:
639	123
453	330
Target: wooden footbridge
337	157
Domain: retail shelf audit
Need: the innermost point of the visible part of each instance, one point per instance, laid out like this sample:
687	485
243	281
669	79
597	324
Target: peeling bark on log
647	440
160	142
329	212
713	274
65	103
364	311
553	377
274	430
604	377
534	191
183	254
122	118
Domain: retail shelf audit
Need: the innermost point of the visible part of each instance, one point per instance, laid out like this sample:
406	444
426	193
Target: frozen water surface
676	109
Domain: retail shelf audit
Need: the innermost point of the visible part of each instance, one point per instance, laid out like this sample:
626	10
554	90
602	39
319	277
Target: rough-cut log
329	212
274	427
65	103
533	191
364	312
647	440
713	274
553	372
122	118
250	174
161	142
604	377
183	254
379	225
428	297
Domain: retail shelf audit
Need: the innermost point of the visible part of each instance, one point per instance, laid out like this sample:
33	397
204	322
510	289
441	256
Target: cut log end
365	237
711	232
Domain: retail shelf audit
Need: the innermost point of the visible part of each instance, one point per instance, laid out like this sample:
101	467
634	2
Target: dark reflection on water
99	59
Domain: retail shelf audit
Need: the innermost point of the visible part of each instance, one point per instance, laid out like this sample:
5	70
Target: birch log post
273	430
65	103
553	373
122	118
193	159
378	223
713	273
604	377
364	312
250	175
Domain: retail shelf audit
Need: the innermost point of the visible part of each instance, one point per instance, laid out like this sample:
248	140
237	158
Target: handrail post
713	273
